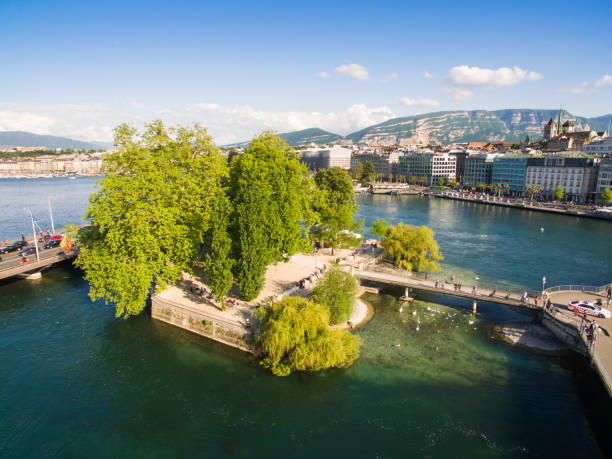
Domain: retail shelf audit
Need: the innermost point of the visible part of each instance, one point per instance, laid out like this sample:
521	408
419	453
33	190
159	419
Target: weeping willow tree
295	336
412	247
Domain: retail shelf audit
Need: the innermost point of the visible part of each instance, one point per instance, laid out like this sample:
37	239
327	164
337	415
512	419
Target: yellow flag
66	244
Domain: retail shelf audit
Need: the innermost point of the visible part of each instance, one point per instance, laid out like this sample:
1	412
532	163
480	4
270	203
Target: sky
79	68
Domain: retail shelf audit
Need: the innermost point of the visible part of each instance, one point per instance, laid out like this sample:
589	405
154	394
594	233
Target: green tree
558	192
270	191
335	204
379	228
532	190
441	181
150	213
452	183
217	249
527	139
358	171
295	336
337	291
412	247
606	196
368	173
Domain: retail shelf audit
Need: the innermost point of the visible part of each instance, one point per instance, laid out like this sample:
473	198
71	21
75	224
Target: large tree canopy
335	203
337	291
412	247
150	213
295	336
270	191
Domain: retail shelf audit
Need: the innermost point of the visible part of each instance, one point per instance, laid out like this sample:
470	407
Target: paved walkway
603	346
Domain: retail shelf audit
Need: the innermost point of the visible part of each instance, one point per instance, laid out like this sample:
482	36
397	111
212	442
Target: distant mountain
464	126
301	138
27	139
308	136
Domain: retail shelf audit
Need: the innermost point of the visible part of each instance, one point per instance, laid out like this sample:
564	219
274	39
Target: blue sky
80	68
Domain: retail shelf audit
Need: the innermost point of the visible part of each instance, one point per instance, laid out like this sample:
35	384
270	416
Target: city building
510	171
460	156
429	166
604	179
479	168
577	177
599	146
317	159
385	164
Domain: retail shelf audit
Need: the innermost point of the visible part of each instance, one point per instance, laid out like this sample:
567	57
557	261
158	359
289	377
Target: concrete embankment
531	336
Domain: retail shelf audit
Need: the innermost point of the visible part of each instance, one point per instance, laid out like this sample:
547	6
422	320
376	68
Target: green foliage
452	183
527	140
379	228
337	291
606	196
72	231
295	336
150	213
412	247
441	181
335	203
532	190
368	173
271	192
217	249
558	192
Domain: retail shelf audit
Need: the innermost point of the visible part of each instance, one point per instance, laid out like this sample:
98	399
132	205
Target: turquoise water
75	381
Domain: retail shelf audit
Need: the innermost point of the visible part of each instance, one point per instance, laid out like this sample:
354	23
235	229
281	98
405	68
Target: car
14	247
52	243
586	307
27	251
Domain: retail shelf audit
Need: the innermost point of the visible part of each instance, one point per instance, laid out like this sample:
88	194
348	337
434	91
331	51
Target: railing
578	288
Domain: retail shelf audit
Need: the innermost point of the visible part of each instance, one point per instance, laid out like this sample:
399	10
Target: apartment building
429	165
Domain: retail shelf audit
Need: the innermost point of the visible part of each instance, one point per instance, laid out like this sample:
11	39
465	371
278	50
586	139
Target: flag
66	244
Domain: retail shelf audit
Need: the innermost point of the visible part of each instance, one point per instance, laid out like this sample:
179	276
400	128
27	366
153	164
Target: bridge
15	266
563	322
408	279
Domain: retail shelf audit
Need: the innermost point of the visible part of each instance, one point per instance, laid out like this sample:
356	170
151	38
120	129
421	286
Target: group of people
590	330
310	280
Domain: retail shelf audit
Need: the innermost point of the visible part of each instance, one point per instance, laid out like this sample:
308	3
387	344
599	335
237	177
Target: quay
523	204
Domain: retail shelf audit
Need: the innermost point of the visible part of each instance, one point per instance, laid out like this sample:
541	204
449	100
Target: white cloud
582	89
356	71
464	75
606	79
323	75
227	124
428	75
459	94
428	103
393	76
241	122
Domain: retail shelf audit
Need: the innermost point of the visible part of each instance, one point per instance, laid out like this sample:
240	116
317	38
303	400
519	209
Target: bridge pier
30	276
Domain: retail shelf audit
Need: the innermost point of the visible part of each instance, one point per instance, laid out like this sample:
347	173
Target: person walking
609	292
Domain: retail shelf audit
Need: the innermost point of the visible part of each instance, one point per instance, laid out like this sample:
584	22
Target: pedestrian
23	237
536	300
5	243
473	290
609	292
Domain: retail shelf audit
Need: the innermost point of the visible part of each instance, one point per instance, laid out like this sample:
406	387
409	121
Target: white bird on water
401	309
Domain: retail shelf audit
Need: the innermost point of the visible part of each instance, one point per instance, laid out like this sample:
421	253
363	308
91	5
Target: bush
295	336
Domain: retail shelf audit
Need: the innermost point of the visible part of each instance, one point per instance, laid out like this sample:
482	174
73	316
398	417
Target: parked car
14	247
27	251
52	243
586	307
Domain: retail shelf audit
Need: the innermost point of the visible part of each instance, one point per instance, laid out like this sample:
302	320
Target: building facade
385	164
317	159
478	169
428	165
604	178
577	177
599	146
510	171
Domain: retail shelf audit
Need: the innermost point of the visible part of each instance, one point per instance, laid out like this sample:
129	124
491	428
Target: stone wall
225	332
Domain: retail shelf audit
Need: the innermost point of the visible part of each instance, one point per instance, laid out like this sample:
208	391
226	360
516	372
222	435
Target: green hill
27	139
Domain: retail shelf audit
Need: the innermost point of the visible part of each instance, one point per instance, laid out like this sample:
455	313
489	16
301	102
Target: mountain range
28	139
511	125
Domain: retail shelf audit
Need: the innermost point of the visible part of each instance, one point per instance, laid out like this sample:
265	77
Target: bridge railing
466	286
578	288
